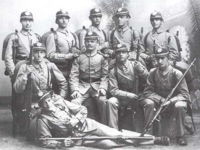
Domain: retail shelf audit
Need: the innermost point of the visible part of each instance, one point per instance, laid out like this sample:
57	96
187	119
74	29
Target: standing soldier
62	44
88	78
17	46
159	84
95	18
122	84
123	33
41	74
159	38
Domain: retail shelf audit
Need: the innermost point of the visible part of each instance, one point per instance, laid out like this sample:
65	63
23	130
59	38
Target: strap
145	40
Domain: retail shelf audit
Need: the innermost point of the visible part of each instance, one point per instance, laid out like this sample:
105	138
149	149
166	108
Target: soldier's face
122	56
162	62
91	44
26	24
156	23
63	22
96	20
39	56
122	20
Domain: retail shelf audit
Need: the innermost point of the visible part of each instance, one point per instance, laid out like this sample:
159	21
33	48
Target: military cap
91	35
39	47
161	52
156	15
45	96
121	48
26	15
122	11
62	13
95	12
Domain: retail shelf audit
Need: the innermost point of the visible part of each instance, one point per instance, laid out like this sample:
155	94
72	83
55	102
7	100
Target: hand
167	103
76	94
101	92
30	69
32	76
69	56
74	122
68	142
132	96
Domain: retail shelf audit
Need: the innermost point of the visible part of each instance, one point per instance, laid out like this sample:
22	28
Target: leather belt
89	80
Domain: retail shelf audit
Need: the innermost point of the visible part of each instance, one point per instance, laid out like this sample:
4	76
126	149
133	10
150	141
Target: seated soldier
35	78
61	118
89	78
160	82
122	86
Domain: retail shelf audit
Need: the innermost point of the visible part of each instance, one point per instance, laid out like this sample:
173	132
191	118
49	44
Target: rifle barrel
102	138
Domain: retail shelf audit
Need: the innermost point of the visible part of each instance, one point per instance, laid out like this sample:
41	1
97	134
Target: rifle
137	59
157	140
149	124
28	95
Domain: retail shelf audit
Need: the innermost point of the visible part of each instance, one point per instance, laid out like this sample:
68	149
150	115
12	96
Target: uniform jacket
89	71
22	40
45	75
122	78
60	117
58	45
161	38
159	86
126	36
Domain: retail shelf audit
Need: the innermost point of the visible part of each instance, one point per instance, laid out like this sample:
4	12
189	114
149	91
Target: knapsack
5	43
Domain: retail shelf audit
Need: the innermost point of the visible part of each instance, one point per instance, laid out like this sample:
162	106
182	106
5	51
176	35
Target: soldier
62	44
159	84
124	34
159	38
19	43
89	77
95	18
16	48
40	74
122	85
61	118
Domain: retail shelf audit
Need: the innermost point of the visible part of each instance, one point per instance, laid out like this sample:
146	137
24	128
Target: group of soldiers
106	72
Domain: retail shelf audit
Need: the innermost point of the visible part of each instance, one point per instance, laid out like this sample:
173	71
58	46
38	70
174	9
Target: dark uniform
159	85
122	83
103	41
89	74
42	75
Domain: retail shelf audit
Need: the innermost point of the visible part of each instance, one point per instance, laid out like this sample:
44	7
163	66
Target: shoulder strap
49	78
38	37
104	33
145	40
111	37
116	74
75	39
